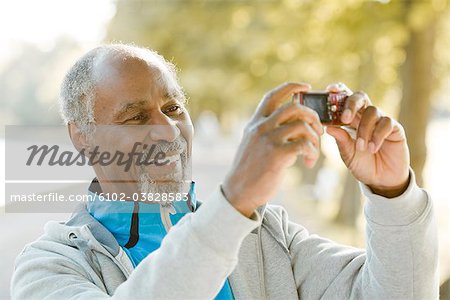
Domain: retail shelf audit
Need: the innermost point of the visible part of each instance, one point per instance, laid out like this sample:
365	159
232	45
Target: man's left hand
379	156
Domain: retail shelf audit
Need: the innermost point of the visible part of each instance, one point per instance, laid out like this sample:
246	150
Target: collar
96	202
135	223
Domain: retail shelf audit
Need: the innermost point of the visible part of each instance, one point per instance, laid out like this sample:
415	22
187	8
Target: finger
344	142
309	162
383	129
296	130
366	127
293	111
273	99
306	148
339	87
353	104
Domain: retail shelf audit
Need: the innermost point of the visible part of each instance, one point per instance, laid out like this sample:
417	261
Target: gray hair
77	95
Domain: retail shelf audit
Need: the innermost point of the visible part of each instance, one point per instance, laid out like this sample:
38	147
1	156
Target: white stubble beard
177	182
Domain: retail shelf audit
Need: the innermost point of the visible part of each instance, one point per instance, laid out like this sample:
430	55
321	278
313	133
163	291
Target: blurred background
229	53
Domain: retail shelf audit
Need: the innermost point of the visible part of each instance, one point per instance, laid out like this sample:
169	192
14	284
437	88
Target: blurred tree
232	52
419	82
349	202
444	290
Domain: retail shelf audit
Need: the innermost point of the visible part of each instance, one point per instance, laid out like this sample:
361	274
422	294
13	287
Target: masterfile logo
47	171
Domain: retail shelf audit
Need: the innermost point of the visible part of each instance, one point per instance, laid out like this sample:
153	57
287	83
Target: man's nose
164	130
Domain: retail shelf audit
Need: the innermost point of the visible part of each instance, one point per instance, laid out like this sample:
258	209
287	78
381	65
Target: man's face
136	112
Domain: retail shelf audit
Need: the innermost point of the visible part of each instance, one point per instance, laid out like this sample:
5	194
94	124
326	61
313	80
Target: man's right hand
273	139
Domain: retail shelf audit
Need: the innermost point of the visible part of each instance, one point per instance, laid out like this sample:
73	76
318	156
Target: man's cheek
187	132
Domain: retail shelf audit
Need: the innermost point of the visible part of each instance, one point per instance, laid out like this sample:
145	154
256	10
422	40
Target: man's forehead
132	75
111	65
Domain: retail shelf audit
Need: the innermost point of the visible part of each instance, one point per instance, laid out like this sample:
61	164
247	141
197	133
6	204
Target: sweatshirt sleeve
400	260
194	260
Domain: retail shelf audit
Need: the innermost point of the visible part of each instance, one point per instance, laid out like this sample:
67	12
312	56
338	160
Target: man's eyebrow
174	95
129	106
170	96
139	104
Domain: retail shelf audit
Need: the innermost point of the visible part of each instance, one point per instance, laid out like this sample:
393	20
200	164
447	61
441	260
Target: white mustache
179	146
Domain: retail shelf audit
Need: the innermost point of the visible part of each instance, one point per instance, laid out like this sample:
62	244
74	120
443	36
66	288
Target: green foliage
231	52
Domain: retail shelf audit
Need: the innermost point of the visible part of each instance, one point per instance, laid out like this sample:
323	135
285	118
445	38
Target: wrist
391	191
233	198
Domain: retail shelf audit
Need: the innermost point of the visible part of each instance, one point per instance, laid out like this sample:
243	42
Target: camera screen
318	102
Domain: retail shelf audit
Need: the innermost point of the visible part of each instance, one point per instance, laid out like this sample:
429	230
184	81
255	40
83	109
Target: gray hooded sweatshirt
264	257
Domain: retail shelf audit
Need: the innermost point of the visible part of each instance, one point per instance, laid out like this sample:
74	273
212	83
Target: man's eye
137	118
172	109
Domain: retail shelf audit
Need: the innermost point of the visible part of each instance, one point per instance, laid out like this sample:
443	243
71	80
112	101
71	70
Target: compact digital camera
328	105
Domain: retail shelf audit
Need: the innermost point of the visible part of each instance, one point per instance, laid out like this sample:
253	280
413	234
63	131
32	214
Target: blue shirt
138	228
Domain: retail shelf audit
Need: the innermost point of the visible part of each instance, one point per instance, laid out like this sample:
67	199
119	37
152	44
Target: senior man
235	245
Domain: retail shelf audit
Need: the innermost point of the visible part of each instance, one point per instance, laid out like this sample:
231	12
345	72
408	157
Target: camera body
328	105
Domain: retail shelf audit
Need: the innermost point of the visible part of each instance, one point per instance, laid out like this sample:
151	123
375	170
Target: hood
81	225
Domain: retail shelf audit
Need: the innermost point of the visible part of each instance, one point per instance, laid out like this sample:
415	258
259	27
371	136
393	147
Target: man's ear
79	139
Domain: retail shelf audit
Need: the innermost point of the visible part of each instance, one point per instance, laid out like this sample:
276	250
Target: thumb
344	141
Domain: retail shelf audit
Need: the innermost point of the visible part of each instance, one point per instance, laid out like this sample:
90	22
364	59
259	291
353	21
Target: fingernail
360	144
346	115
372	147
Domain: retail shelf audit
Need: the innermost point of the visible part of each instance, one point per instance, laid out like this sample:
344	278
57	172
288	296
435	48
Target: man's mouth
167	168
169	159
